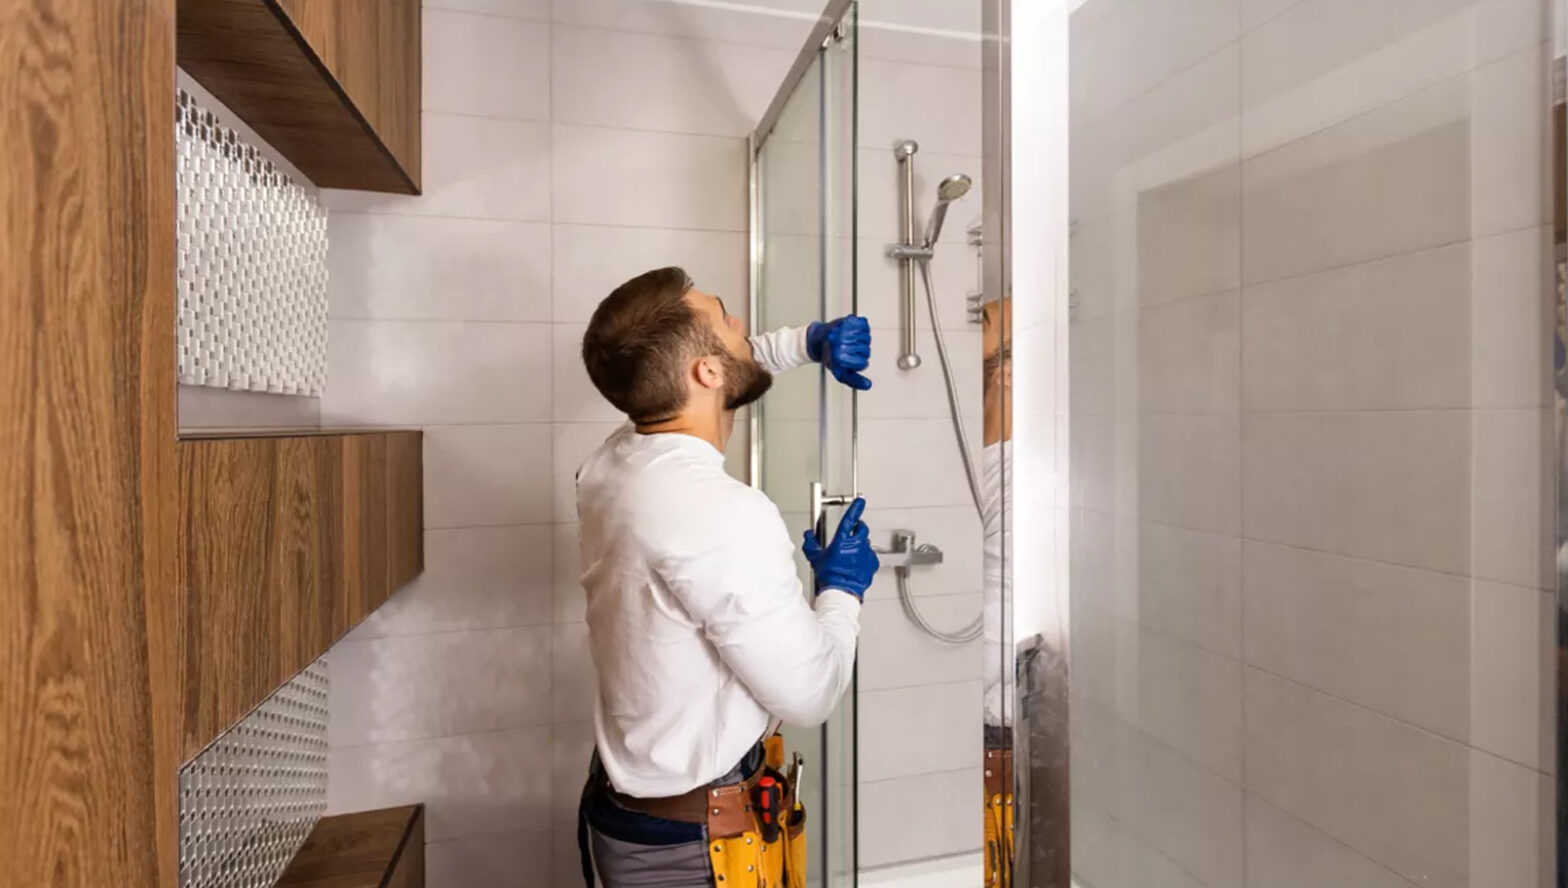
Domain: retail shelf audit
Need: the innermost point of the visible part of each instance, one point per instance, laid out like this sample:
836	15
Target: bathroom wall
1311	570
566	149
920	700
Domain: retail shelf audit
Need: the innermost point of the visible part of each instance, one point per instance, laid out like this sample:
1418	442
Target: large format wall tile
1189	586
439	684
605	176
486	66
661	83
1191	471
1361	190
1390	334
1385	788
1387	486
1190	356
1392	639
1284	851
475	578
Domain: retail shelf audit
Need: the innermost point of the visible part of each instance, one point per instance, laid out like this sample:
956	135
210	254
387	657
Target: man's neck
715	428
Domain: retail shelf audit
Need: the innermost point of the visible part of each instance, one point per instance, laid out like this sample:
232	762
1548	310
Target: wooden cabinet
285	544
368	849
333	85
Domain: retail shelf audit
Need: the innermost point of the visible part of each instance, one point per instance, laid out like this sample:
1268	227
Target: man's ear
708	373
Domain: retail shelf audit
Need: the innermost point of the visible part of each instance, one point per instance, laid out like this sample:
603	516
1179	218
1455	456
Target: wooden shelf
333	85
370	849
285	544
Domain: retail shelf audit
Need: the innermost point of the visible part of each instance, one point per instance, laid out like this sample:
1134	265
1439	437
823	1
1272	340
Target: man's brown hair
640	342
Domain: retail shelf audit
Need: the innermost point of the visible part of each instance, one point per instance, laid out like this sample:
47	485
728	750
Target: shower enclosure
1267	384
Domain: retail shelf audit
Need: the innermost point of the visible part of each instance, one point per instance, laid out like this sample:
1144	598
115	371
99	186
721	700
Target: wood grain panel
286	543
308	76
86	438
369	849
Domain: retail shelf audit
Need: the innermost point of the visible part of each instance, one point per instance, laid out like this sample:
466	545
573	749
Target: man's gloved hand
844	347
848	562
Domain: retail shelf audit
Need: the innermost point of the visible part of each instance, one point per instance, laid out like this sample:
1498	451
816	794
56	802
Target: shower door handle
819	508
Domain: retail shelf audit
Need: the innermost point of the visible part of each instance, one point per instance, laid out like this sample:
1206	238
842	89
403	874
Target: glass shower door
803	432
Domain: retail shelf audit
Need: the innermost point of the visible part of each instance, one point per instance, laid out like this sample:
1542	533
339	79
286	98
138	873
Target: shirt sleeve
781	350
739	582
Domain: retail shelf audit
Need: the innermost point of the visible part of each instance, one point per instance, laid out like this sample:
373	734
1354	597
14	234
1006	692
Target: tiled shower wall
566	149
1312	608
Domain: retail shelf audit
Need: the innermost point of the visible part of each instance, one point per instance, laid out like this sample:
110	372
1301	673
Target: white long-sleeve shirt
697	623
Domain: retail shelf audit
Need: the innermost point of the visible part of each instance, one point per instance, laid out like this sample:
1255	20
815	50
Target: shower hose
972	631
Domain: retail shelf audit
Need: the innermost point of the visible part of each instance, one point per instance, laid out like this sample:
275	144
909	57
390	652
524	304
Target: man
697	624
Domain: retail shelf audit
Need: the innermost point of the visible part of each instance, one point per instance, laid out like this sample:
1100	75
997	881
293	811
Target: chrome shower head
951	189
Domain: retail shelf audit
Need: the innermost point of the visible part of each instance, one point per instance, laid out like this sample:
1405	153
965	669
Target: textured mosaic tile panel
252	264
248	802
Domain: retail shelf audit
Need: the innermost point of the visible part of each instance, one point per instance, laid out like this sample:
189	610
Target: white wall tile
1383	787
486	65
475	578
571	444
484	861
1361	190
954	276
1190	356
1190	700
1314	38
907	450
896	654
1512	649
571	748
439	684
1189	586
421	268
592	260
919	730
1285	852
485	476
1512	825
1187	813
780	24
572	674
1398	330
434	372
201	407
623	177
475	784
884	839
1189	237
921	393
1135	46
1510	144
474	168
665	84
946	118
1392	639
1511	309
570	603
1513	521
1387	486
538	10
1191	471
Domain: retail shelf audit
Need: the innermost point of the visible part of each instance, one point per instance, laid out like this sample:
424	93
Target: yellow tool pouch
740	857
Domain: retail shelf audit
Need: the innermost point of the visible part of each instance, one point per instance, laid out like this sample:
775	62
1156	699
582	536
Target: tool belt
754	827
726	809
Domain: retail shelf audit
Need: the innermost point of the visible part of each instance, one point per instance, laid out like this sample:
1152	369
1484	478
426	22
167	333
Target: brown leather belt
726	809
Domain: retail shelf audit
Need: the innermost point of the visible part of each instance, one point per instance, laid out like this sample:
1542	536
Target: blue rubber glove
848	563
844	347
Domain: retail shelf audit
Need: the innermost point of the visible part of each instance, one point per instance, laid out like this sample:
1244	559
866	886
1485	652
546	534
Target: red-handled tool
770	798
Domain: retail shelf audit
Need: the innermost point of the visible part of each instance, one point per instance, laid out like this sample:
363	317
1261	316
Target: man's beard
744	381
